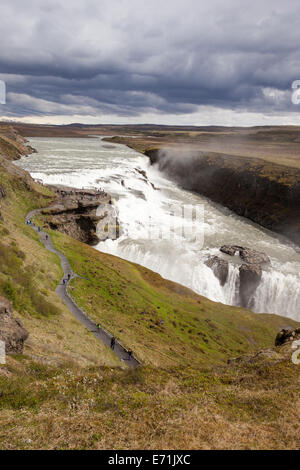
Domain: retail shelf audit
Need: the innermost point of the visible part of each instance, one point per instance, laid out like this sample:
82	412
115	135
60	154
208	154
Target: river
145	209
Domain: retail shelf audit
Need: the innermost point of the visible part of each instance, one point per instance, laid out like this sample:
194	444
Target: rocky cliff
11	330
266	193
12	144
250	270
86	215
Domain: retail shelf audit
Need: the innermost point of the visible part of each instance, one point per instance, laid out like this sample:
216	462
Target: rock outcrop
250	270
286	335
268	194
250	277
220	268
230	250
253	256
77	212
12	144
247	254
11	329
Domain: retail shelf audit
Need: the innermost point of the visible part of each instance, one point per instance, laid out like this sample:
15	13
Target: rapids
153	231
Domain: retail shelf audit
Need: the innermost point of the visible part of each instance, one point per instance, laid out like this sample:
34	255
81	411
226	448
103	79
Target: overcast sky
157	61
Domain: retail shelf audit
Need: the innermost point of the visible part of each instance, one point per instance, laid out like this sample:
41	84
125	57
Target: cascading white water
279	291
143	207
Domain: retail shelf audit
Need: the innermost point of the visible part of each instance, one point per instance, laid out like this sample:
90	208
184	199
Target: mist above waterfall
180	163
119	171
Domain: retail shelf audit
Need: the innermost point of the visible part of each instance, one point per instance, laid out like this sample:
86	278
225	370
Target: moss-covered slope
68	391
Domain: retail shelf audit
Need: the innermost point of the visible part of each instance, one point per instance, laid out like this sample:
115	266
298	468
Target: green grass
29	275
163	322
19	285
19	276
68	391
251	406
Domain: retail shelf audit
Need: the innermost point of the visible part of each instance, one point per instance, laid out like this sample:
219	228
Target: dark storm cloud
129	57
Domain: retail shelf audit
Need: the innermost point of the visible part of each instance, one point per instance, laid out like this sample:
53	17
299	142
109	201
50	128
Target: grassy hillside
251	406
164	322
29	275
69	391
12	145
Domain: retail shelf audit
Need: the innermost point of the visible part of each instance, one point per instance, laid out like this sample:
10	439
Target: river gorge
144	200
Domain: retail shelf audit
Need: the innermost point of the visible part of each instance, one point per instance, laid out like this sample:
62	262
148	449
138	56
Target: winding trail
62	290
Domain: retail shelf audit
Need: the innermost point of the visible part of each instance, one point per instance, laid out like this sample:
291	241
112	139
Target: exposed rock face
230	249
11	330
143	173
250	276
254	257
12	144
248	255
286	335
77	213
145	177
267	194
250	270
220	268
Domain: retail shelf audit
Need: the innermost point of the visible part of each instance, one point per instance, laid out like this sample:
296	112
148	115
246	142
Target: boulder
248	255
286	335
219	267
142	172
250	276
253	256
2	192
11	329
231	249
250	270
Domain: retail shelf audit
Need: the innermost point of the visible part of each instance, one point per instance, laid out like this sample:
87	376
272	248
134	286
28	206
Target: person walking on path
105	337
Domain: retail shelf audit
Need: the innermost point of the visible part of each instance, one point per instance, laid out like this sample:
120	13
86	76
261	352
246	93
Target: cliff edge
264	192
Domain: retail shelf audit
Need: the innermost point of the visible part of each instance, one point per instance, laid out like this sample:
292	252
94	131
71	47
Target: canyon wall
84	214
264	192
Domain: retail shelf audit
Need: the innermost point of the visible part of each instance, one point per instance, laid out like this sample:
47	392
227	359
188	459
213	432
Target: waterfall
231	288
141	195
278	292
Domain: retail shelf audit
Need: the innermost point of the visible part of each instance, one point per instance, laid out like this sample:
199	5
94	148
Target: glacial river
153	231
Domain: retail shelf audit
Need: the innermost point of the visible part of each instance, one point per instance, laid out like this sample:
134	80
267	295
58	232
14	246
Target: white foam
85	163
